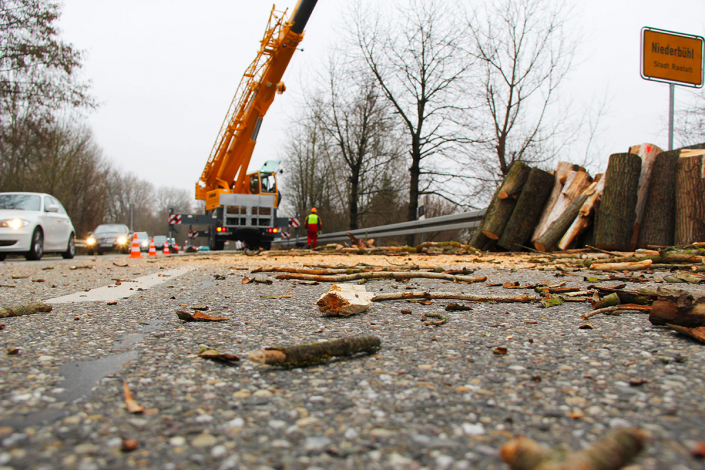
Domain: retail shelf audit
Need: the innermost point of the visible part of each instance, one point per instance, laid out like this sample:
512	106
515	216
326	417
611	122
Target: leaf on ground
308	283
501	350
112	303
199	307
457	308
406	311
586	326
511	285
549	302
131	405
20	277
637	382
120	265
698	451
39	280
246	280
47	268
210	353
128	445
85	266
198	316
12	351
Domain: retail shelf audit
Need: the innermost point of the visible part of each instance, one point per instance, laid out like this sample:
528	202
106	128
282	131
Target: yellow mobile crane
242	206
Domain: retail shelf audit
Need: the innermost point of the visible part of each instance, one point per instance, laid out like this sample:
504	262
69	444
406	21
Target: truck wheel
36	249
3	256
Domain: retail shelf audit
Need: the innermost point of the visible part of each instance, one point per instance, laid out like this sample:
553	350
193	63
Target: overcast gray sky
165	72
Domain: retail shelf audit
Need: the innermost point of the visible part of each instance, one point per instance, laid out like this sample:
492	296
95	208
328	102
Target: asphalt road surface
432	397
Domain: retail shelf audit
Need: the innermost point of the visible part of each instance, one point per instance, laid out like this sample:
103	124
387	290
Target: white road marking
126	289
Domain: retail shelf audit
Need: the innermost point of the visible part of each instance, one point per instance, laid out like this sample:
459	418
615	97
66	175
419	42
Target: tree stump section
690	198
528	210
660	212
618	208
558	228
561	173
585	214
500	210
648	154
576	183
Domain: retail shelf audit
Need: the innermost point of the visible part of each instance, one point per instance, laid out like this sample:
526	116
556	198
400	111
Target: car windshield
110	228
142	235
20	202
159	239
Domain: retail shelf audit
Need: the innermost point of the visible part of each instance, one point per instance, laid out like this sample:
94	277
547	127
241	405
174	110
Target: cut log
560	175
660	214
558	228
648	154
527	211
24	309
308	354
500	210
584	218
690	198
612	452
618	208
343	300
479	240
679	306
575	184
618	267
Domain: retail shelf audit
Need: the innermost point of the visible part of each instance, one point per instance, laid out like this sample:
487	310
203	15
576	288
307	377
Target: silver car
35	223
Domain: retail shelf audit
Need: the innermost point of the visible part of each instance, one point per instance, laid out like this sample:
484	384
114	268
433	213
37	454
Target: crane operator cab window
263	183
269	183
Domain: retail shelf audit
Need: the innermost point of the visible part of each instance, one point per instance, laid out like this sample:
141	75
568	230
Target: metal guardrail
463	220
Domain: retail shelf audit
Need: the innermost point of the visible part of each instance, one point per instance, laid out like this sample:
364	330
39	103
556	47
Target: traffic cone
176	247
152	249
135	251
165	250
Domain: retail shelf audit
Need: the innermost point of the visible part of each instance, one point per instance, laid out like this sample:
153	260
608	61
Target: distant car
159	241
143	239
109	237
33	224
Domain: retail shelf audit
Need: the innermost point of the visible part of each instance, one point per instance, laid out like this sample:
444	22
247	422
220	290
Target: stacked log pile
647	198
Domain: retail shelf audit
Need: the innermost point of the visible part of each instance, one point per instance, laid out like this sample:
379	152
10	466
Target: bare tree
361	135
37	68
415	55
308	182
524	52
690	120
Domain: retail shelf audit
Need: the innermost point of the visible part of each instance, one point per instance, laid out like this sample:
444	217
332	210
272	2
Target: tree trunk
690	198
648	154
414	174
479	240
527	211
618	209
576	182
660	214
550	238
677	306
500	210
585	215
354	197
560	174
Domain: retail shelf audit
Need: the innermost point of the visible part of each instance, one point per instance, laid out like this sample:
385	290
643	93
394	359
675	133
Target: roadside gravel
433	397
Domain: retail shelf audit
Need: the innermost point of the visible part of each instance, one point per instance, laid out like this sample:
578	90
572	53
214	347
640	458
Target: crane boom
228	161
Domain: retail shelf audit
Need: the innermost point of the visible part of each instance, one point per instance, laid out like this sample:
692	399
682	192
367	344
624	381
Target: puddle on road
82	376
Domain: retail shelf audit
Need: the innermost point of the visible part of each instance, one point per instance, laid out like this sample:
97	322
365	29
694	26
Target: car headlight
14	224
90	241
121	240
145	243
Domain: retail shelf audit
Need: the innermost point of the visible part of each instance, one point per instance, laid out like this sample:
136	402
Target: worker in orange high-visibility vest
313	226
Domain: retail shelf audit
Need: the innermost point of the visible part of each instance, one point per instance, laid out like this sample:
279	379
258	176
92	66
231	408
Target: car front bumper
16	241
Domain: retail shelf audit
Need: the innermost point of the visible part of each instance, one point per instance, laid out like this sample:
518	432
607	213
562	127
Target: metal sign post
171	225
673	58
